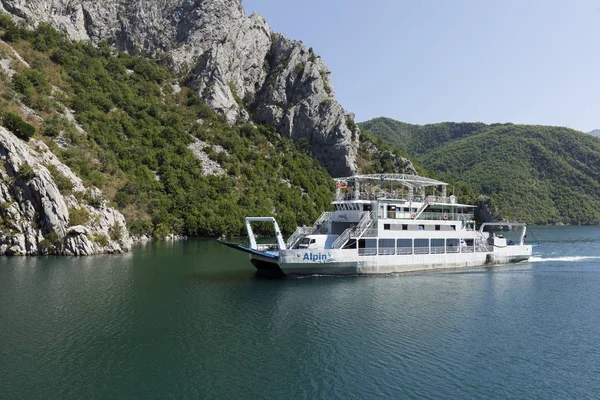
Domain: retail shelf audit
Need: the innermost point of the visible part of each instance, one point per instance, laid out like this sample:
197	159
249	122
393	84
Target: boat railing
481	245
421	250
386	251
369	251
438	249
373	196
440	199
326	216
384	195
442	216
342	239
364	223
372	232
467	249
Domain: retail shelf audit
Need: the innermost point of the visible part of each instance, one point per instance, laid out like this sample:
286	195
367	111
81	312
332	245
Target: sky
526	62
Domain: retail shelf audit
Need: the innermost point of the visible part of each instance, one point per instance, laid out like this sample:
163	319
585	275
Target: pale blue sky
534	62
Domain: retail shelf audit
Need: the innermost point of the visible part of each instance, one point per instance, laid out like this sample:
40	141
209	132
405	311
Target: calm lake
192	320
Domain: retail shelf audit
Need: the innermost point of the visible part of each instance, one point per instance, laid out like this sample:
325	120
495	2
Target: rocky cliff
45	208
235	63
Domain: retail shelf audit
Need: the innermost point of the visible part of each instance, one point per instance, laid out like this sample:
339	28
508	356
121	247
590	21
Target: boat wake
564	259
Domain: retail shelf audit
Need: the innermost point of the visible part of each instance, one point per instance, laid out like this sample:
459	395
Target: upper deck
373	186
398	196
396	204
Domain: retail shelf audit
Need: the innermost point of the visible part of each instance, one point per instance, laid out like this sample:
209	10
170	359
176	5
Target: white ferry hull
348	262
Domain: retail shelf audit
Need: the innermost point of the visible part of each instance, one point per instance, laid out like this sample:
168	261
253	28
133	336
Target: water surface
192	320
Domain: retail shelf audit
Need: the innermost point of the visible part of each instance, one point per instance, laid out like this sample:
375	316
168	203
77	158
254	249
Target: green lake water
192	320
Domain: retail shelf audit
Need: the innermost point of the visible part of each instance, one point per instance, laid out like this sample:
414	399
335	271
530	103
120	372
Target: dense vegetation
138	125
537	174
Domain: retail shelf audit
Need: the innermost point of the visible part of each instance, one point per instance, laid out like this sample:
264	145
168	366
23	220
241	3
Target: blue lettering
314	257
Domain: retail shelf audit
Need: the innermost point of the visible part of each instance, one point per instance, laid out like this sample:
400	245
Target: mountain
236	64
595	132
537	174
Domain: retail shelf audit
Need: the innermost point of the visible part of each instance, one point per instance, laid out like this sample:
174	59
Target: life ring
445	217
414	216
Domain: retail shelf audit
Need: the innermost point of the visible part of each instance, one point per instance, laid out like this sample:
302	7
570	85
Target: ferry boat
388	223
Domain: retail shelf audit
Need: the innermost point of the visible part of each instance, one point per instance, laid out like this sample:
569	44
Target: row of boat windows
372	247
420	227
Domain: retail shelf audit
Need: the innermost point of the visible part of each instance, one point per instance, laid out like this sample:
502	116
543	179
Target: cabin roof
404	179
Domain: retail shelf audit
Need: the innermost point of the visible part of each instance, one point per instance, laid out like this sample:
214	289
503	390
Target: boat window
421	227
452	227
421	246
386	227
467	246
452	245
391	211
367	247
406	209
312	241
437	246
404	246
367	207
386	247
404	227
437	227
305	240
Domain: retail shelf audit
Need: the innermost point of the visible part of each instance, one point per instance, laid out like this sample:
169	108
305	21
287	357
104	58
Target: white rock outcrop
36	218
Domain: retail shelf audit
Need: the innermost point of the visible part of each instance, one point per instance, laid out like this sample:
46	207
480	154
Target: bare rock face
236	64
36	218
298	98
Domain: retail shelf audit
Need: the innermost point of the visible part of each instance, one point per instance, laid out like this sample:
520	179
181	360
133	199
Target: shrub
54	125
50	241
350	124
116	232
93	200
78	216
64	184
101	239
26	172
16	125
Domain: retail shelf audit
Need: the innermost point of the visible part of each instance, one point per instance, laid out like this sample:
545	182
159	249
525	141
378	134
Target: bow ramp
270	251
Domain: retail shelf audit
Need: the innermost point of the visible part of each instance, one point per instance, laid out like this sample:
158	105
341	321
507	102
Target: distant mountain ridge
538	174
595	132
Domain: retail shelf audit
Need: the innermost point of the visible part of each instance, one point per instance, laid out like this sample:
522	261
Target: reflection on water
193	320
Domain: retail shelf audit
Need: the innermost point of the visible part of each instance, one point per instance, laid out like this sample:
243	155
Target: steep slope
234	62
532	173
171	164
45	208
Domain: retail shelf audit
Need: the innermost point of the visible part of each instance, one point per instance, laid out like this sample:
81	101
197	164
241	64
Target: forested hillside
537	174
123	124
